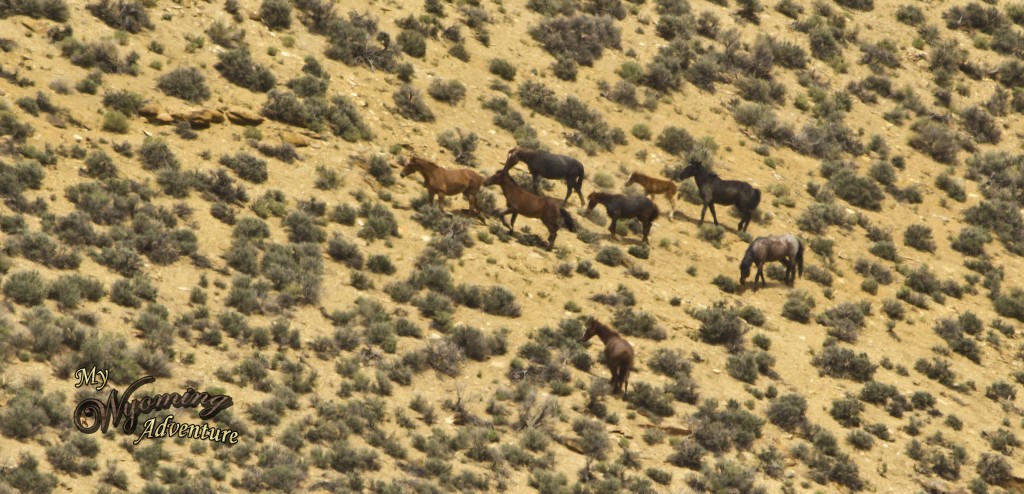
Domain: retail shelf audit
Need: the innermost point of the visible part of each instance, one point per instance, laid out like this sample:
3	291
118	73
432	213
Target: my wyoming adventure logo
92	414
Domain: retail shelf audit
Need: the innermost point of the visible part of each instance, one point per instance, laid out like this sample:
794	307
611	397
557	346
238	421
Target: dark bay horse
521	201
786	249
655	186
445	182
548	165
618	353
623	206
713	190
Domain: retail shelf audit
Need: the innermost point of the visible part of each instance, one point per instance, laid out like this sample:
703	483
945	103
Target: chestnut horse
618	353
654	187
444	182
521	201
786	249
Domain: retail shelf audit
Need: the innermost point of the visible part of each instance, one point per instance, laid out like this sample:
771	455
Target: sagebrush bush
919	237
25	288
839	362
126	16
276	14
788	412
935	140
411	105
502	68
580	38
238	67
247	166
186	83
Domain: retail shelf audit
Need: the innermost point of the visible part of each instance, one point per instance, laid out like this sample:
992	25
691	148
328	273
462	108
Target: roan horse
618	353
713	190
444	182
521	201
548	165
623	206
655	186
786	249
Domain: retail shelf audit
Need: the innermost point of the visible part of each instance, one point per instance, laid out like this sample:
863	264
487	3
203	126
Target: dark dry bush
842	363
580	38
238	67
971	241
844	321
186	83
276	14
798	306
124	101
721	325
502	68
788	412
675	141
461	146
638	323
847	411
302	228
410	104
919	237
412	43
126	16
247	166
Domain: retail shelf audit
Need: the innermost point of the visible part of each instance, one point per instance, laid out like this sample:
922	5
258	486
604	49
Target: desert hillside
211	194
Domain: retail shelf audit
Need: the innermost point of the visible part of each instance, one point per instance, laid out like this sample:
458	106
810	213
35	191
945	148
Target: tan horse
444	182
655	187
618	353
522	202
786	249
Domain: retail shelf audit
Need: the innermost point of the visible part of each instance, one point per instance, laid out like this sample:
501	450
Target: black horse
548	165
623	206
713	190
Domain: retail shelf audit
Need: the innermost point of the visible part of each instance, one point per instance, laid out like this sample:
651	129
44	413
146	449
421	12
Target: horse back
619	352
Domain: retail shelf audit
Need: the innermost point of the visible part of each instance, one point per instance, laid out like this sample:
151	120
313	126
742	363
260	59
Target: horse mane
601	327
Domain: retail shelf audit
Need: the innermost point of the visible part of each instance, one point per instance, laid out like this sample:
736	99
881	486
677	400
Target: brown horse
521	201
618	353
654	187
786	249
444	182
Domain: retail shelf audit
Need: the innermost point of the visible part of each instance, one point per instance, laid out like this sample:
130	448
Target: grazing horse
713	190
655	186
623	206
786	249
618	353
521	201
444	182
548	165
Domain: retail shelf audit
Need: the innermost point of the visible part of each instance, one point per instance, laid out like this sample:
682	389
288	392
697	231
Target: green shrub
788	412
238	67
276	14
451	91
410	105
675	141
186	83
25	288
919	237
131	17
502	68
247	166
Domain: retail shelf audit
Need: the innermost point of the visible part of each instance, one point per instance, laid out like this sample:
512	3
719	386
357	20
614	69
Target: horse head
592	326
691	169
497	178
748	259
412	166
513	158
631	180
592	200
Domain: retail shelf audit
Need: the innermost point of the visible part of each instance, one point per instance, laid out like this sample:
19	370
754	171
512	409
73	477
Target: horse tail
569	222
800	257
757	199
656	212
579	180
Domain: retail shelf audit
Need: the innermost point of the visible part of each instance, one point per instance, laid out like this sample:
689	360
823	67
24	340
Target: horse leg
612	228
647	230
672	201
536	184
760	274
502	216
440	201
714	216
568	191
702	211
553	232
515	214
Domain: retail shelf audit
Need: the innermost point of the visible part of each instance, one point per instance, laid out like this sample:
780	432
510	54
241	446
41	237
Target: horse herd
712	189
